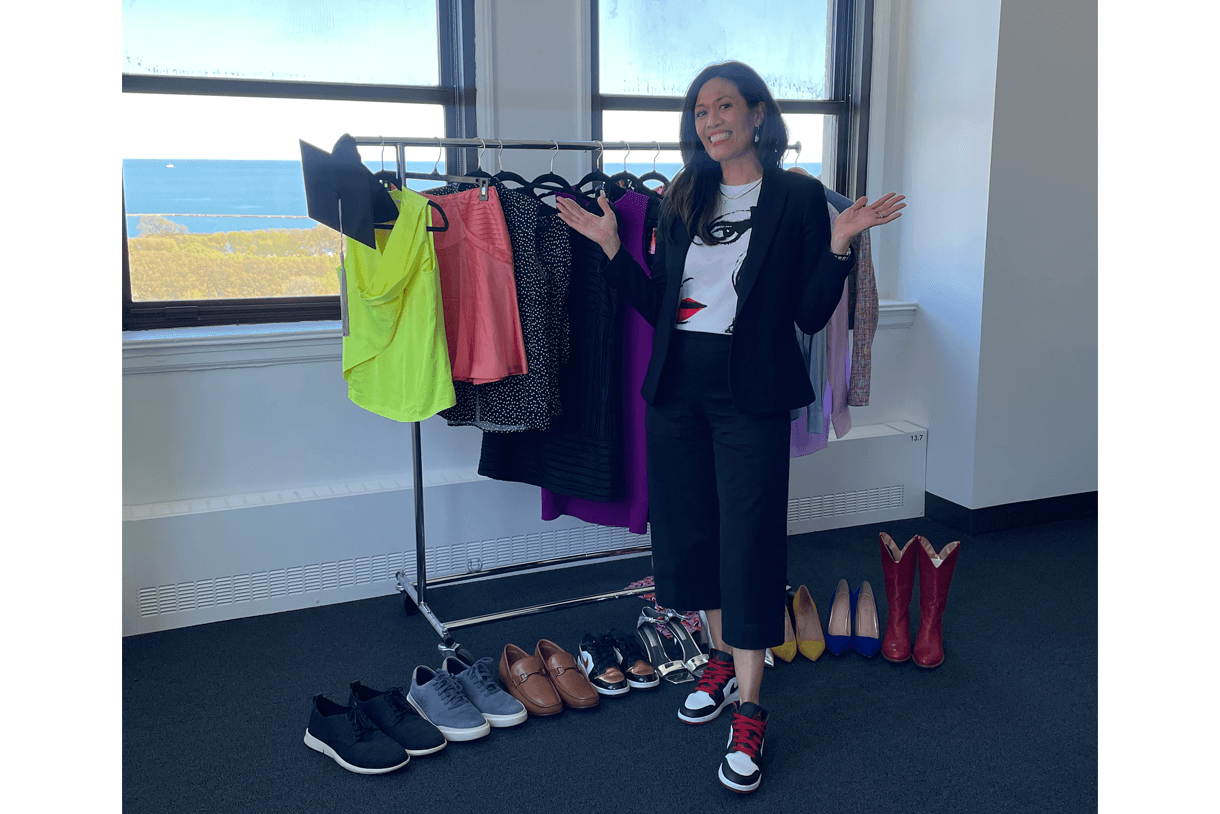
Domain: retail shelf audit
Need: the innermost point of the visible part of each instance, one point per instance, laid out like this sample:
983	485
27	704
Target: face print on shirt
708	300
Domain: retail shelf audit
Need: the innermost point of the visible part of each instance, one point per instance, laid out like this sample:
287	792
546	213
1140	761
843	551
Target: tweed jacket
789	275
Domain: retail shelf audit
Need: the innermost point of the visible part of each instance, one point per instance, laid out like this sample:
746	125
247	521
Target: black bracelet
846	256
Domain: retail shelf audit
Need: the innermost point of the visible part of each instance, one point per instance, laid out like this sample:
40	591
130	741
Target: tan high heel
866	633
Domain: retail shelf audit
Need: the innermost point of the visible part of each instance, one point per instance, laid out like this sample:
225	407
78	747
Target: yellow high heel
809	638
787	650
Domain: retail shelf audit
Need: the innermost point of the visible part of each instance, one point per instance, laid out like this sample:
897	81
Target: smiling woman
729	128
744	251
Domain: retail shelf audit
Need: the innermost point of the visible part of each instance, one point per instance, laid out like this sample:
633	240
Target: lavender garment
838	354
834	390
630	511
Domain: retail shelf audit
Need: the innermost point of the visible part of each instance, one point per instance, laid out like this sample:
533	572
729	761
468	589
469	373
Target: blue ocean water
229	196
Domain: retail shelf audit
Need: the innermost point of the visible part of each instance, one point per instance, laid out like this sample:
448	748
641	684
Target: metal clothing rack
416	591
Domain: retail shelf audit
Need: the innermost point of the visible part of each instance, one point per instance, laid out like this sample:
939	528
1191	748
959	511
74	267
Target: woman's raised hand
862	215
602	230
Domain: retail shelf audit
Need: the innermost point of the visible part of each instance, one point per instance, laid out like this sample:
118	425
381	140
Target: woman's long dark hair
691	198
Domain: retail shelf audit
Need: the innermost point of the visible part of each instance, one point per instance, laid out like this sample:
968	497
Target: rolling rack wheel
408	606
449	647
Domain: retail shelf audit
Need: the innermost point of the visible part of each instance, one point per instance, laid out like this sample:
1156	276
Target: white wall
534	80
1037	406
987	122
940	103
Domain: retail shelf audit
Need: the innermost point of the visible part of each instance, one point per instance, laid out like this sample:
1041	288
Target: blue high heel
839	622
865	629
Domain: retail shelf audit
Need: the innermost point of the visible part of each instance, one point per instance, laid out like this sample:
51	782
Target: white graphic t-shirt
708	299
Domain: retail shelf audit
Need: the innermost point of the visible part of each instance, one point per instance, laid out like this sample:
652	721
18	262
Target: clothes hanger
653	175
481	181
388	178
626	179
559	181
598	178
479	172
502	175
444	218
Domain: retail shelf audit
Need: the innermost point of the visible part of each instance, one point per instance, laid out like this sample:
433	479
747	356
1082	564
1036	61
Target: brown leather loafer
569	680
526	679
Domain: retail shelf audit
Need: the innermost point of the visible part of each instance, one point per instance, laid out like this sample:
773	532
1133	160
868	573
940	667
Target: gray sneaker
439	698
481	688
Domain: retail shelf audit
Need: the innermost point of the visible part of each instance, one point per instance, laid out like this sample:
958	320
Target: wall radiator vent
858	502
459	558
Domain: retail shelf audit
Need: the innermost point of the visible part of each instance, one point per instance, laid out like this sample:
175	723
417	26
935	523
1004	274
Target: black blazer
789	276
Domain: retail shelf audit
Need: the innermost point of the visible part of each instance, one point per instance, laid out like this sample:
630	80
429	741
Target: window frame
849	102
456	92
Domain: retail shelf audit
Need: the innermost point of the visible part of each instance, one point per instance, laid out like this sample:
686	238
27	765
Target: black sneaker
597	661
398	719
717	688
632	660
739	769
346	735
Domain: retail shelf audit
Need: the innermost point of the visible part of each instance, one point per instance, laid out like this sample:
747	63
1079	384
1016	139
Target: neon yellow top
396	359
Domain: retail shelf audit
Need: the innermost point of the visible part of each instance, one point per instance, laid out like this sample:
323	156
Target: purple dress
631	510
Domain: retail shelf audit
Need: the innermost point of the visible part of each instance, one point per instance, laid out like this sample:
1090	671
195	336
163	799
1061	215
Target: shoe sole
606	691
711	716
452	733
319	746
422	752
740	789
507	720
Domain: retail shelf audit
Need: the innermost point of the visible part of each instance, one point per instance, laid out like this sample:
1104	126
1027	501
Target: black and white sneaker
347	736
739	769
597	661
717	688
634	663
398	719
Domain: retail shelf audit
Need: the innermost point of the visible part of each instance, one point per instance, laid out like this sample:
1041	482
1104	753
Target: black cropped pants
718	496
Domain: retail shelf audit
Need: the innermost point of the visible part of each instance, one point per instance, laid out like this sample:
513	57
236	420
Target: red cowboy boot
898	567
935	573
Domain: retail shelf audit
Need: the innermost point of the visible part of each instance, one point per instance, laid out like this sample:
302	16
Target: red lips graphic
687	309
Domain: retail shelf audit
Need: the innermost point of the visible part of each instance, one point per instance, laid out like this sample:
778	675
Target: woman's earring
756	128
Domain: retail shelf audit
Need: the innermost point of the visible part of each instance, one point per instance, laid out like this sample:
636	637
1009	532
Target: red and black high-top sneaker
739	769
717	688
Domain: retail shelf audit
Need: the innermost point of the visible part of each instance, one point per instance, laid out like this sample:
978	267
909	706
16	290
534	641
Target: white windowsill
172	350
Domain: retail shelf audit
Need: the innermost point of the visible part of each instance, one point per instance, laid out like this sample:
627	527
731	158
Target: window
217	95
815	57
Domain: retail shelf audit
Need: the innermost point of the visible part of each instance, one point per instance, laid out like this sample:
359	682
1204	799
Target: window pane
359	41
640	128
657	47
215	197
816	135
